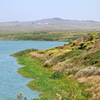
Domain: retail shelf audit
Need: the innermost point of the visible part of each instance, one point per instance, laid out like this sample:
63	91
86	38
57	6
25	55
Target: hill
51	29
69	72
50	24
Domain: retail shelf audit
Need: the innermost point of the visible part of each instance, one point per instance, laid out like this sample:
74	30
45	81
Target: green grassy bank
52	85
43	35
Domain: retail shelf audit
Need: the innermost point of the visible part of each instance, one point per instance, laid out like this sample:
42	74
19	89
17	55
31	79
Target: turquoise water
11	82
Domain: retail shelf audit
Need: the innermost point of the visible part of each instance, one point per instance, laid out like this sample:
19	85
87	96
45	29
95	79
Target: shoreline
49	87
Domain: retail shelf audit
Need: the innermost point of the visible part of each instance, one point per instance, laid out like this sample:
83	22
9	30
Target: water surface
11	82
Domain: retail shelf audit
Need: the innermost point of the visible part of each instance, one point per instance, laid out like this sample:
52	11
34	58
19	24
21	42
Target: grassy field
43	36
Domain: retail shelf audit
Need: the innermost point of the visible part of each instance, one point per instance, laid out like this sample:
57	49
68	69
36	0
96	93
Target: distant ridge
60	21
49	24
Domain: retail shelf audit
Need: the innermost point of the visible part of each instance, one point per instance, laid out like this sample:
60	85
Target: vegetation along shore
69	72
43	35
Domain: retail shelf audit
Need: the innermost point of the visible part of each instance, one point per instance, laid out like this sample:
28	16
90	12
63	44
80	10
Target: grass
92	59
33	68
43	35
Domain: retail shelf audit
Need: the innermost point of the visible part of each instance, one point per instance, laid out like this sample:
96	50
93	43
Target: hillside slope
69	72
80	60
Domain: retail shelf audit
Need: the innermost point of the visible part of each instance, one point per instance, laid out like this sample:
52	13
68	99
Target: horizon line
14	21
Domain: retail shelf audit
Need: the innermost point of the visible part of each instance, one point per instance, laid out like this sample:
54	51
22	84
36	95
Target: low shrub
92	59
57	75
74	53
20	53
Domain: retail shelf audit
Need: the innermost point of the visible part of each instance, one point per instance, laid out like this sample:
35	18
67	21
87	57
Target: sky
30	10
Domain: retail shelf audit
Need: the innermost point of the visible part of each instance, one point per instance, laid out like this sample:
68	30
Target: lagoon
11	82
